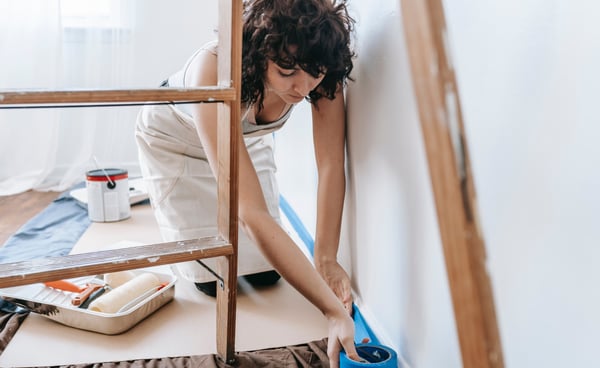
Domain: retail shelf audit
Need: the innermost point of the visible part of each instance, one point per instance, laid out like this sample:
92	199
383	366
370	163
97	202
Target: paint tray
56	305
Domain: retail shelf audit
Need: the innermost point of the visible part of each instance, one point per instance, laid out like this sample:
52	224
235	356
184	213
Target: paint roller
116	279
124	294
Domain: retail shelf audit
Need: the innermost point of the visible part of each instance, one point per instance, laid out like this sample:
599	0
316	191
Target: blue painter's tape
362	330
372	355
297	224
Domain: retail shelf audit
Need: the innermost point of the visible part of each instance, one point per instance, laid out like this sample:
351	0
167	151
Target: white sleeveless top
250	127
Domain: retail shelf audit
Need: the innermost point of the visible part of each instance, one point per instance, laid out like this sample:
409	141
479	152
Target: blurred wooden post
436	90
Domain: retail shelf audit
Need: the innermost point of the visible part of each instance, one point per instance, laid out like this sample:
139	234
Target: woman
292	50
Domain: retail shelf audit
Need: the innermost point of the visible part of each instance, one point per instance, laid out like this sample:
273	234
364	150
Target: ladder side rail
441	119
229	135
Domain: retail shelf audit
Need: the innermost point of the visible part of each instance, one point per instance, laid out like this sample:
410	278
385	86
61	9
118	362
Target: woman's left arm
329	136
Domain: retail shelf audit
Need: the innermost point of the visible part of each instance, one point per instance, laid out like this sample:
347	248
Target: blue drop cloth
52	232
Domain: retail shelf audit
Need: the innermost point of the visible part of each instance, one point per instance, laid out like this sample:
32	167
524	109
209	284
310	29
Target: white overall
181	185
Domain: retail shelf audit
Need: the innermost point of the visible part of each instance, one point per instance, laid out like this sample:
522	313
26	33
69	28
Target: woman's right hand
341	337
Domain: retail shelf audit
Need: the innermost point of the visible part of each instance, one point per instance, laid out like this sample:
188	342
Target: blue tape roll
373	355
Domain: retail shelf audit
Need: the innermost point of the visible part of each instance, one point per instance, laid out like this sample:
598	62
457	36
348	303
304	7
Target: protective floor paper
271	317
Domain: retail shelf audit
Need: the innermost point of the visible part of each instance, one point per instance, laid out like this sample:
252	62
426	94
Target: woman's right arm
279	249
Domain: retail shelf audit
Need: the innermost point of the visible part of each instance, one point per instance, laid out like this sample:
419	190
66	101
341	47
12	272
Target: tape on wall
373	355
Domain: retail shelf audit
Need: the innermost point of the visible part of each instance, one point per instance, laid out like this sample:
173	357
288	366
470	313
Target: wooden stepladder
223	244
438	102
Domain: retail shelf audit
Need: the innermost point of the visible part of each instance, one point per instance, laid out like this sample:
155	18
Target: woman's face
292	85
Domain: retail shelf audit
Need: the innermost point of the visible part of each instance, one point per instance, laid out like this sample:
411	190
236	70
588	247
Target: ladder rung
204	94
93	263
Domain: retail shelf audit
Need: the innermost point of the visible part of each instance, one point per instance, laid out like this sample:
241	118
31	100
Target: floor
266	310
16	210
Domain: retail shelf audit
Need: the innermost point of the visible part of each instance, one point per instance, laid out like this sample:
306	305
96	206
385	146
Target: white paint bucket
108	195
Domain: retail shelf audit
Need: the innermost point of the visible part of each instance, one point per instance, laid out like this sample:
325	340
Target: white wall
527	77
390	242
528	73
167	33
391	228
528	81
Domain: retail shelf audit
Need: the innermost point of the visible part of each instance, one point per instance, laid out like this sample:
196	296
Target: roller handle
65	286
82	296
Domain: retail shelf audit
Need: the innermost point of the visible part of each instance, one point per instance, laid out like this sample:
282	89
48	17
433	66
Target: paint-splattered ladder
224	244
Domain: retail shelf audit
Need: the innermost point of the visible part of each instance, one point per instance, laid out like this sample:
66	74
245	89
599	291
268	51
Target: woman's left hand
339	281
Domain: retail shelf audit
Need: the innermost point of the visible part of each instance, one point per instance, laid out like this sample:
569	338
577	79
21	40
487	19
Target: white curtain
45	44
75	44
30	56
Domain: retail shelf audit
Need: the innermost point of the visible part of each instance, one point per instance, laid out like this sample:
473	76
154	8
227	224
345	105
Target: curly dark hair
312	34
